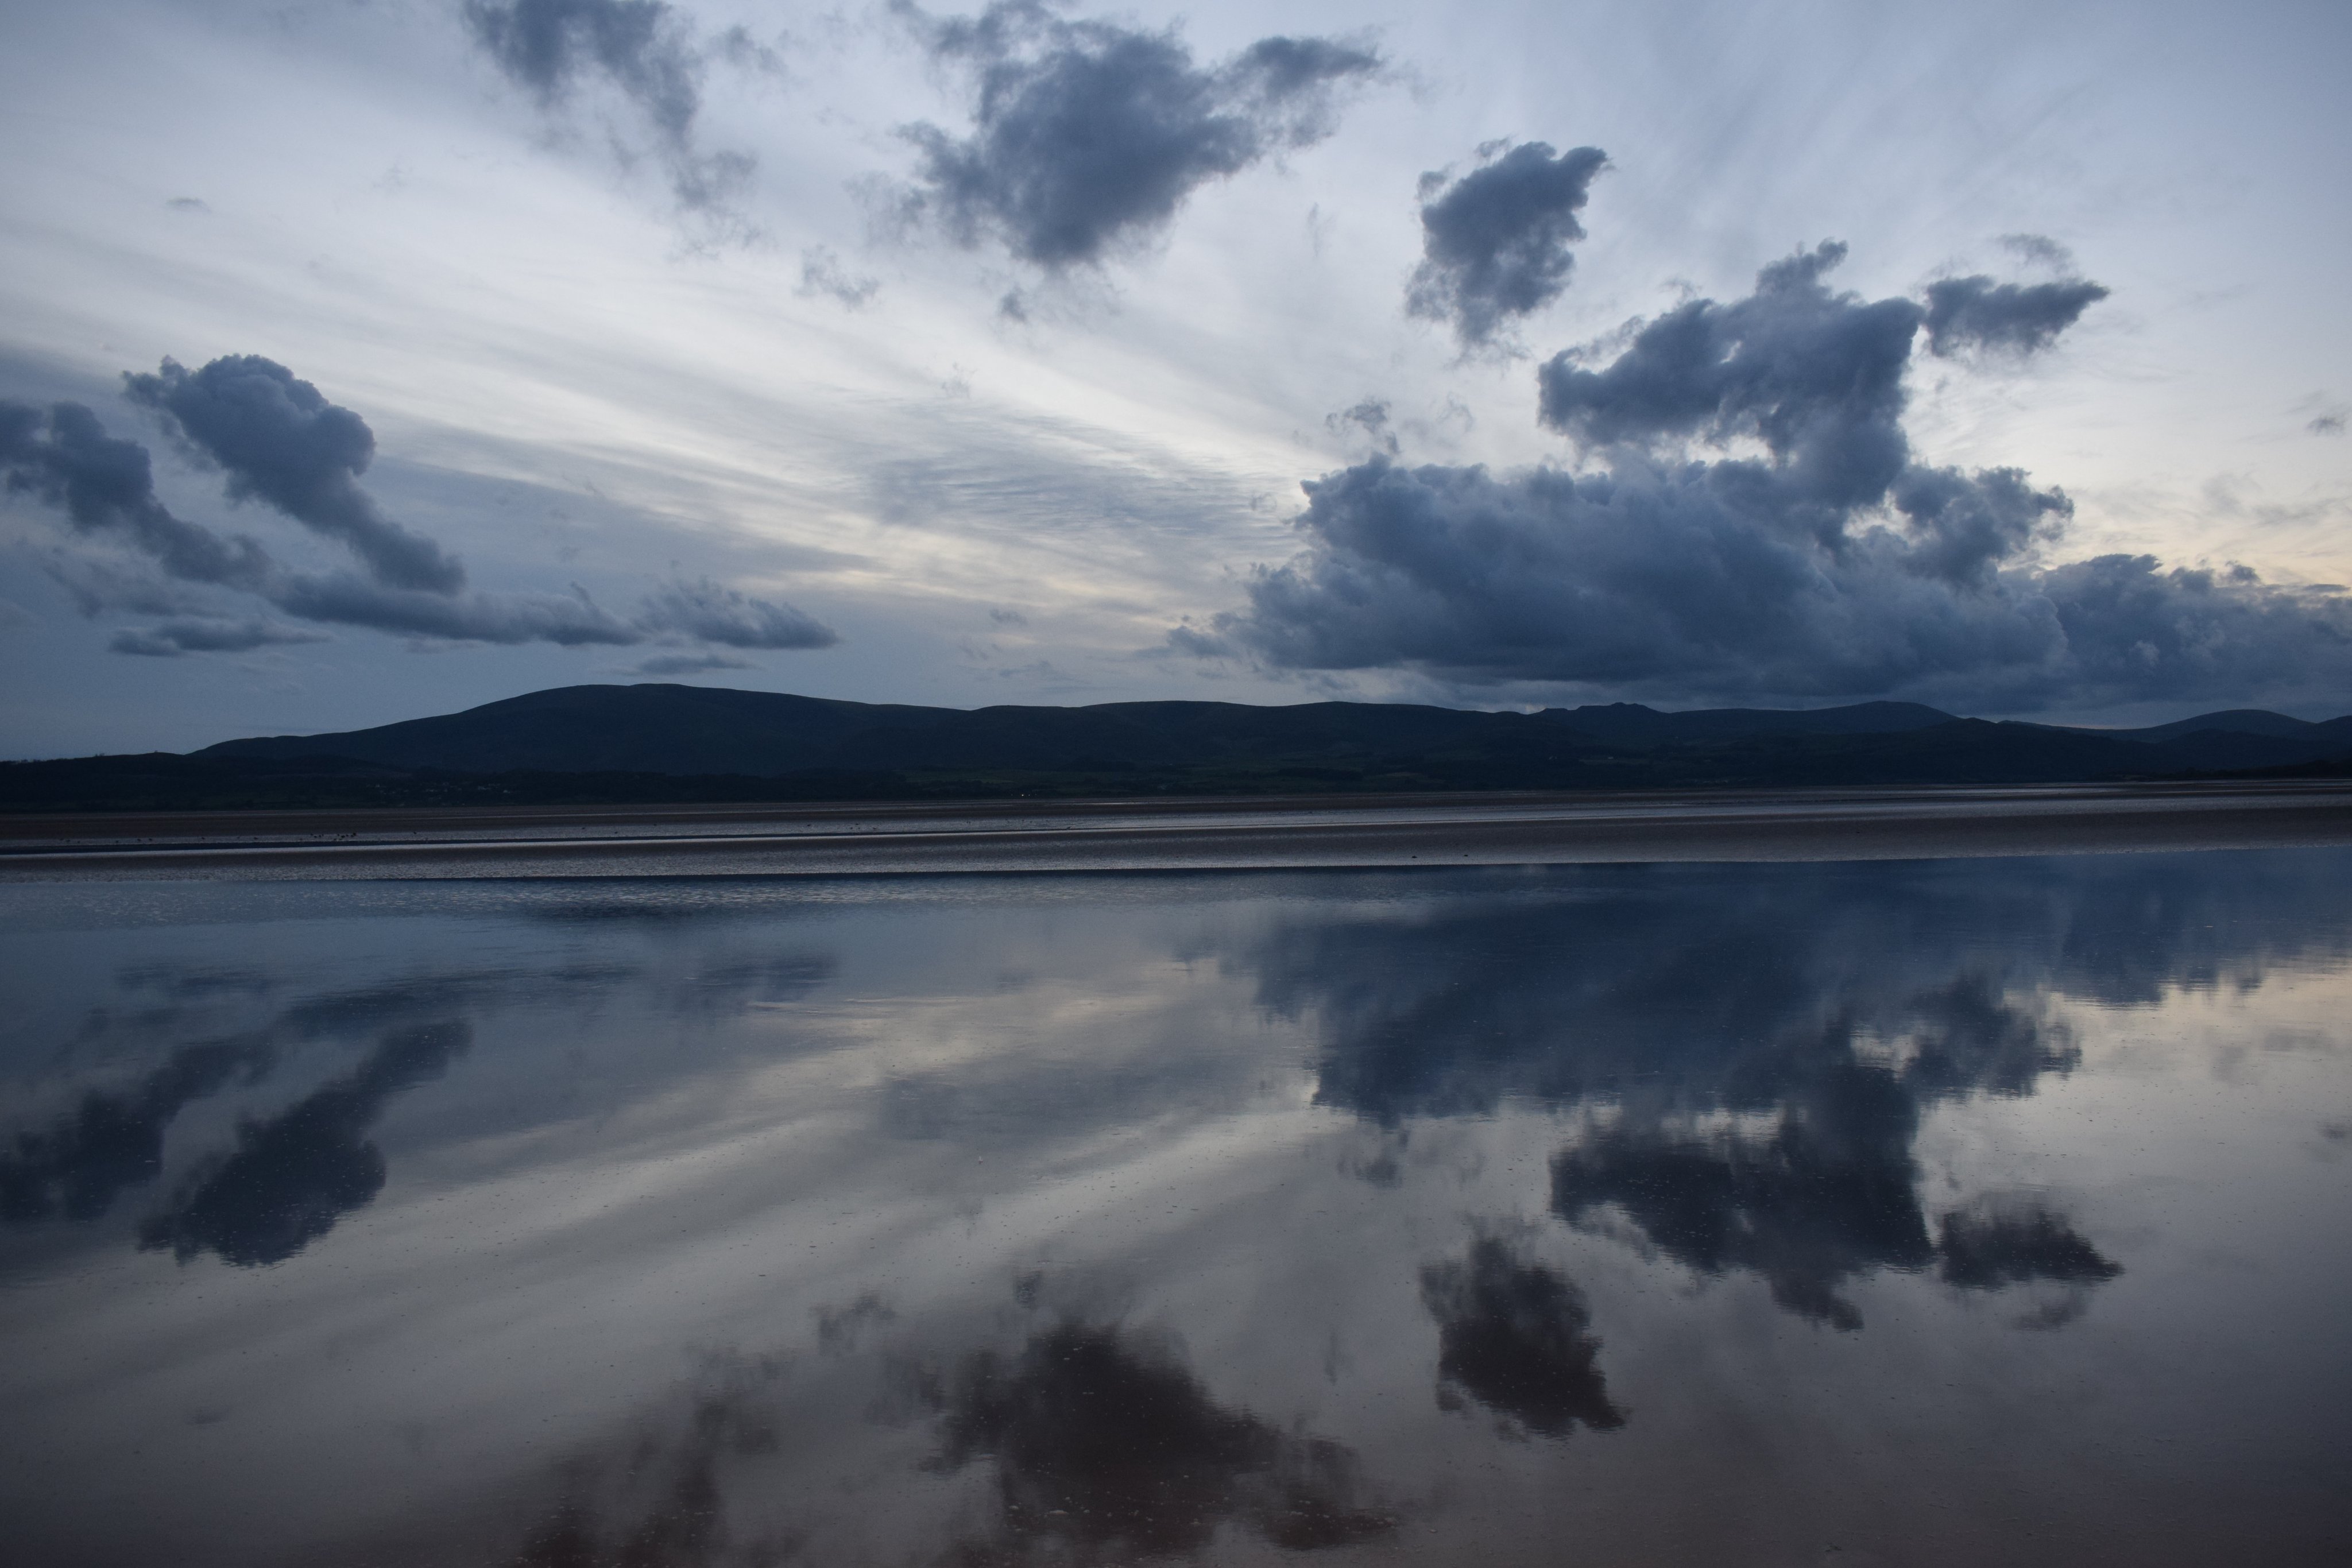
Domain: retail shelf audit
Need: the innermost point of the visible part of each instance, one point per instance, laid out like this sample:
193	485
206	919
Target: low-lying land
686	746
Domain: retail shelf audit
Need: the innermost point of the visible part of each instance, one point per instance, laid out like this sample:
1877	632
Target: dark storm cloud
63	456
1494	243
292	1178
1812	558
1107	1448
644	49
1513	1335
714	614
1977	312
281	442
204	635
2134	626
1086	133
1815	375
1704	578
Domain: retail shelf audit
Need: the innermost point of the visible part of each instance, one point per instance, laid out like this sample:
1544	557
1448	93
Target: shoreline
1162	834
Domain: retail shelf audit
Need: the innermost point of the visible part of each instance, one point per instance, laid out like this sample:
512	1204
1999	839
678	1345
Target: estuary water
1971	1212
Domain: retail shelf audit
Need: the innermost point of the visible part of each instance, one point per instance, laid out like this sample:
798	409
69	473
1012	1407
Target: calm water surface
1968	1212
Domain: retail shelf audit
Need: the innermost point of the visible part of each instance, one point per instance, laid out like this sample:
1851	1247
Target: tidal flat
1892	1210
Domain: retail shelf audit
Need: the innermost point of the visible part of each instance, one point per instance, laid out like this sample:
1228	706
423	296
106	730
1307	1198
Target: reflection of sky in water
1669	1214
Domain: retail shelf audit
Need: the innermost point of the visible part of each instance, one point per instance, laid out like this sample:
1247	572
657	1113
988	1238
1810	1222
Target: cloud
690	664
1816	376
104	485
98	586
1512	1335
2040	250
822	274
738	48
1494	241
2134	627
645	52
1086	133
189	205
1806	555
1684	579
1369	416
711	614
1977	312
566	620
282	442
208	635
2326	425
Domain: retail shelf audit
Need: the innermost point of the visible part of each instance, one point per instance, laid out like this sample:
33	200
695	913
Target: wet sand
1152	835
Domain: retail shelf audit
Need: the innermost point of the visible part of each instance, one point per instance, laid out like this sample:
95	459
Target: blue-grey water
1934	1212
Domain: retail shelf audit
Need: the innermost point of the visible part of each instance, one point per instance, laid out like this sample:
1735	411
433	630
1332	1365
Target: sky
362	360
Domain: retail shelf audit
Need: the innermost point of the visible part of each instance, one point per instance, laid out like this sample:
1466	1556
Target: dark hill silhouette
1631	723
656	743
2235	721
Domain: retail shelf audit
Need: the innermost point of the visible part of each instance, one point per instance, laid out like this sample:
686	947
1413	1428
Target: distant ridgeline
664	744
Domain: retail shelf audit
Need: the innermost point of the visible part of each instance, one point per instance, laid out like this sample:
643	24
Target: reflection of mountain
1759	1046
1511	1334
1105	1443
294	1176
76	1168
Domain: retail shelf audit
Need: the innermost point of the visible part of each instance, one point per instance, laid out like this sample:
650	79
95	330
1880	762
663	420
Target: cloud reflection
1752	1054
666	1505
1105	1443
1512	1335
292	1176
1829	1194
76	1168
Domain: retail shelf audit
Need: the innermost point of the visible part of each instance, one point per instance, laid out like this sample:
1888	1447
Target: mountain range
661	742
